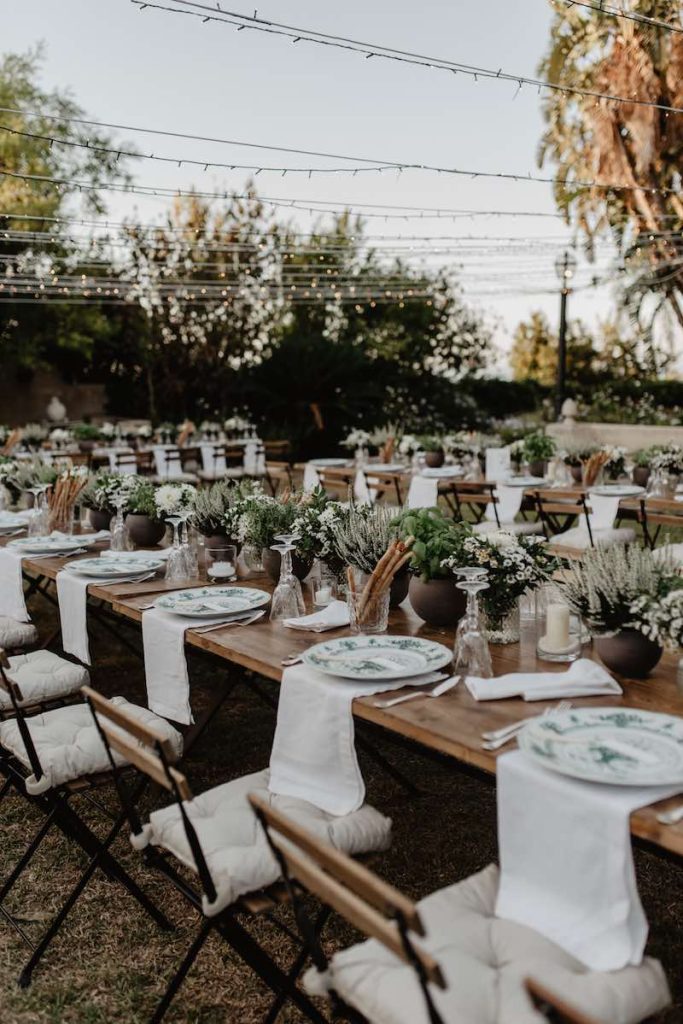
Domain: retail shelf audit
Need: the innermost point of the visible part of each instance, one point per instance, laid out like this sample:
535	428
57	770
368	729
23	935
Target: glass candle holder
221	563
560	640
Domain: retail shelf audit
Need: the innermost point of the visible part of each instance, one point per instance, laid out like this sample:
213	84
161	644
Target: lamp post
565	266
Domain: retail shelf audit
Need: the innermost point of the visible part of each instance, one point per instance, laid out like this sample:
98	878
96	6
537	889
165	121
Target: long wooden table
451	725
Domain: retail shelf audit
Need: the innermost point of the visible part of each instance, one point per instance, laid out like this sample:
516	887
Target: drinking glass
367	613
221	563
38	523
288	600
188	549
176	568
471	655
324	589
120	538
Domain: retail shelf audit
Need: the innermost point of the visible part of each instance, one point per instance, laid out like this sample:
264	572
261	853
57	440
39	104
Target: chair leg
296	968
27	856
181	973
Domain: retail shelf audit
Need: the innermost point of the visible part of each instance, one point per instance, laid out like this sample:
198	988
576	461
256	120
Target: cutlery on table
231	622
292	659
497	738
671	817
441	685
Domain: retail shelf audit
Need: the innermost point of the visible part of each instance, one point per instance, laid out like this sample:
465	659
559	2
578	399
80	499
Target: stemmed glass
176	568
120	539
471	655
288	600
38	524
189	552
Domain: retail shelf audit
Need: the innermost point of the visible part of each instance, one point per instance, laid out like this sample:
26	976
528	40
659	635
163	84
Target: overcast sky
158	70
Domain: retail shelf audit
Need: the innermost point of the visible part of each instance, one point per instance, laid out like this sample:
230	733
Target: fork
498	738
441	685
231	622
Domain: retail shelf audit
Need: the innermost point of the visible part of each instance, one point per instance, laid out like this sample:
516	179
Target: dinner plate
618	490
329	463
377	657
14	520
384	467
444	472
523	481
208	602
110	568
50	545
619	746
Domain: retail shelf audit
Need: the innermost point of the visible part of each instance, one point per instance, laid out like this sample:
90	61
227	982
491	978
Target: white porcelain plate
377	657
110	568
443	472
51	545
208	602
523	481
328	463
618	490
619	746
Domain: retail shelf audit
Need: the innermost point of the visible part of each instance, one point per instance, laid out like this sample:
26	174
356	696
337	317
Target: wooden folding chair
555	1010
655	513
383	484
126	462
463	496
119	734
278	451
337	482
27	776
377	909
279	477
559	509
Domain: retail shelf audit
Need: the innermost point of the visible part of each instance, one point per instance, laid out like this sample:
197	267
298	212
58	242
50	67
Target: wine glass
176	568
471	655
120	538
189	550
288	600
38	525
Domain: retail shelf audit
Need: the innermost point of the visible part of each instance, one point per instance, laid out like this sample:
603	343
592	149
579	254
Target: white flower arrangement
356	438
8	470
33	433
145	431
668	459
60	435
408	445
107	430
660	618
316	527
236	423
173	498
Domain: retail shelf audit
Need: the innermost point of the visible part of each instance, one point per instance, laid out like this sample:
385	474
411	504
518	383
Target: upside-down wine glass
188	550
288	600
471	656
37	524
176	568
120	539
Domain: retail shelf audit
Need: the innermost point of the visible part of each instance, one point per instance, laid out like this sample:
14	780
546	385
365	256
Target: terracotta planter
143	531
271	565
438	602
629	653
434	459
537	467
641	475
399	589
99	520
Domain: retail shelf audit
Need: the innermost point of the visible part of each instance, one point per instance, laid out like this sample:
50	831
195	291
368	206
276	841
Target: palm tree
624	144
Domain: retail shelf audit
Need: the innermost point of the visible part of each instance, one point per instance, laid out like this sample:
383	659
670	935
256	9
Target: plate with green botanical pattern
377	657
619	746
208	602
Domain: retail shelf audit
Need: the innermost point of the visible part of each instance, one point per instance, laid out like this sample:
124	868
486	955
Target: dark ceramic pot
271	565
99	520
399	589
537	467
438	602
434	459
577	473
641	475
629	653
218	540
87	446
143	531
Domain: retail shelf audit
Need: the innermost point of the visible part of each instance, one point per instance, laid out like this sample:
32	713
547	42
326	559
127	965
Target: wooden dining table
450	725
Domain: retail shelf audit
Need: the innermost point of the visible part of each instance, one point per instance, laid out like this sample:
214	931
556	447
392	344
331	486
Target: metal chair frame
567	503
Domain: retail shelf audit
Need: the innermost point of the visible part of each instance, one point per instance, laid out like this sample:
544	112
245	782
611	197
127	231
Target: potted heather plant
218	510
432	590
641	469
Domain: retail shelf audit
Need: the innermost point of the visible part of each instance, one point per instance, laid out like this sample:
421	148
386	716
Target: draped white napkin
311	478
566	861
12	603
168	683
361	491
72	597
423	492
584	678
314	755
170	468
334	616
126	468
508	505
210	462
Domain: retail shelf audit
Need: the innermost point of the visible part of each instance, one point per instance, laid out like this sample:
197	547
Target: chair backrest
552	1007
383	482
659	512
470	494
152	754
277	450
373	906
336	481
16	699
279	475
551	503
125	460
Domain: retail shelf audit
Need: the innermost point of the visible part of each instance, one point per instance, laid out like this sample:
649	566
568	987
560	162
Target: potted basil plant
432	591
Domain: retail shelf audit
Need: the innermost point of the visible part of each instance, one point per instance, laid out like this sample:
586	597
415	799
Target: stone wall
26	401
632	436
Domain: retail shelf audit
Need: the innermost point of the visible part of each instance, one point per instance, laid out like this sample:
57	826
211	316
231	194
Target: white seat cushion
578	537
68	744
177	478
672	553
230	473
522	529
485	960
41	676
233	841
15	634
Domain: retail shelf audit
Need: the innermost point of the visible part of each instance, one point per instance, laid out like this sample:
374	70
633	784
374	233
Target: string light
369	50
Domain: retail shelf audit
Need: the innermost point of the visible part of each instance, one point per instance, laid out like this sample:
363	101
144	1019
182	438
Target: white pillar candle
556	627
323	595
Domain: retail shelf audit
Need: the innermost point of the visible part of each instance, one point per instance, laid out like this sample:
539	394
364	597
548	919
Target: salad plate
618	746
208	602
377	657
52	545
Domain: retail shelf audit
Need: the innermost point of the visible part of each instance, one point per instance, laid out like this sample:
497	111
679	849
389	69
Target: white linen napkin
210	462
361	491
603	511
508	505
311	478
566	861
168	684
423	492
334	616
72	597
12	603
314	755
584	678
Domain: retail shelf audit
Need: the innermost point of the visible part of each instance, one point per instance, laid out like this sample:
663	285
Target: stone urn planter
628	653
434	459
399	588
99	519
143	531
271	565
641	475
438	602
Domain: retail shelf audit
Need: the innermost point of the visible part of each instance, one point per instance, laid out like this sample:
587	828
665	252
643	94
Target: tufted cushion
230	473
485	961
15	634
68	744
43	675
672	553
578	537
176	478
523	529
233	841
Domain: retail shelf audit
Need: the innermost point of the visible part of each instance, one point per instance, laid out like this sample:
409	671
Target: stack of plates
62	544
619	746
213	602
377	657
